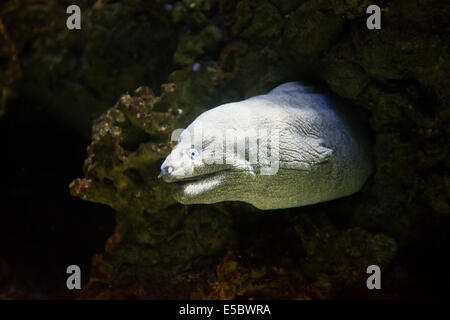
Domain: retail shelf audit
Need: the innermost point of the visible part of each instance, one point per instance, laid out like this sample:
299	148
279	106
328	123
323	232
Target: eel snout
165	172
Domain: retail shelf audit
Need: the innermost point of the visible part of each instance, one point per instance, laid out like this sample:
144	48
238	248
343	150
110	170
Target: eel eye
194	153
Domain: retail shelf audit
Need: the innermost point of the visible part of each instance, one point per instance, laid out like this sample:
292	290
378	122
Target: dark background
43	229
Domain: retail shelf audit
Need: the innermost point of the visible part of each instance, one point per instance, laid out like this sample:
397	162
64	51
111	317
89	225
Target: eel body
292	147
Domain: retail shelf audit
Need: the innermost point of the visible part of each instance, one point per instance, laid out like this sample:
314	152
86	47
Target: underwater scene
224	149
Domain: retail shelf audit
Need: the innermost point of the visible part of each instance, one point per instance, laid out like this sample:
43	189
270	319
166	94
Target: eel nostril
167	170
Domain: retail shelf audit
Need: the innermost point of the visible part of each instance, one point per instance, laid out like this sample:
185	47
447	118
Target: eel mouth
188	189
198	178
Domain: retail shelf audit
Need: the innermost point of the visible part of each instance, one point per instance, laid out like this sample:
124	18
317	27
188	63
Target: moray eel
292	147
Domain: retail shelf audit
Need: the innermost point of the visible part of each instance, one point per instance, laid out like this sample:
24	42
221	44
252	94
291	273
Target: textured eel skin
317	151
